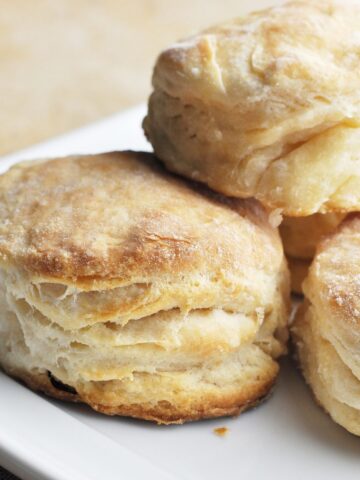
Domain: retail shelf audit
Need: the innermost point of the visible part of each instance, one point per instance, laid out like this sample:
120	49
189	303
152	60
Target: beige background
65	63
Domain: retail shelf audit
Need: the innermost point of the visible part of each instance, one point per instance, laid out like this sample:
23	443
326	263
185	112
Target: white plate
288	437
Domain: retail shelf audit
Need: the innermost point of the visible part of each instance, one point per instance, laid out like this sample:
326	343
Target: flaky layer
169	367
175	397
266	106
302	235
327	330
333	383
333	287
71	306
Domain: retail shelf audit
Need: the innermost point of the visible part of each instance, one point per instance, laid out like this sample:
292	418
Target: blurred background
66	63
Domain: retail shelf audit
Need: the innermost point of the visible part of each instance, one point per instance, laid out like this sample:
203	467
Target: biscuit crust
248	106
198	404
119	216
139	293
326	330
299	269
300	237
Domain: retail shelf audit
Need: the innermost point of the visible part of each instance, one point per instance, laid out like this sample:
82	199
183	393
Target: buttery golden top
119	216
266	106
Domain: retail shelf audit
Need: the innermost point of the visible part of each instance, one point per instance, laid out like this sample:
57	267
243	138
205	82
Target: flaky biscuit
326	331
298	268
131	290
301	236
266	106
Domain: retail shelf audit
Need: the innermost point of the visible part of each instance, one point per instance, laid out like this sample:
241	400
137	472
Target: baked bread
300	236
326	331
135	292
266	106
298	268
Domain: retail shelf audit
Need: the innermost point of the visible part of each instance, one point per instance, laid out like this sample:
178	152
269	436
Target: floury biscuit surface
266	106
326	331
135	292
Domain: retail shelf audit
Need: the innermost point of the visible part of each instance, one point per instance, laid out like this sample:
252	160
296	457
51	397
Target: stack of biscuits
156	286
268	107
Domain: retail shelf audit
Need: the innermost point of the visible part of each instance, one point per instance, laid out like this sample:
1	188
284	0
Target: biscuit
126	288
298	268
266	106
327	327
300	236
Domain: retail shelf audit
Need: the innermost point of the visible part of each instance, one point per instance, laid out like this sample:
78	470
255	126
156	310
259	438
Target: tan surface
67	63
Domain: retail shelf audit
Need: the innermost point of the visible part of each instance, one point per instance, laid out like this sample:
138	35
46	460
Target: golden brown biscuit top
271	64
121	216
334	280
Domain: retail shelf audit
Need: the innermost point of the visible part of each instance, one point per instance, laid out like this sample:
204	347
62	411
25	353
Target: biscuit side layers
326	331
300	237
126	288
